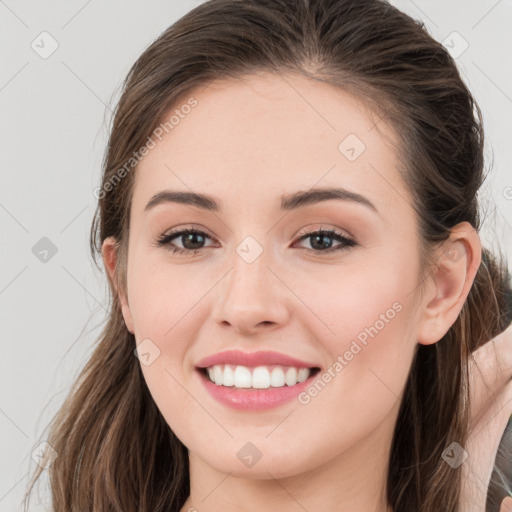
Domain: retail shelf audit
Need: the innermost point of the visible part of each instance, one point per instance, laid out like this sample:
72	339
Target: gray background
55	114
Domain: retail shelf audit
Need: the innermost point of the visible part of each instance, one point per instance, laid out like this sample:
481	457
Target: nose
252	298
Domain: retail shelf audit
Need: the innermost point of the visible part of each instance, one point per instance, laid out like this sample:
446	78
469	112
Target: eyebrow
288	202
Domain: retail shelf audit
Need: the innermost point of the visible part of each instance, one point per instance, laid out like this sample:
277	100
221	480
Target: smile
257	388
261	377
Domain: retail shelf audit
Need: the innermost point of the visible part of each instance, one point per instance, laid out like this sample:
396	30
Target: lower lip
254	399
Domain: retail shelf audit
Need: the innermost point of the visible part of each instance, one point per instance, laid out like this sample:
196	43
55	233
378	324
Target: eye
192	240
319	240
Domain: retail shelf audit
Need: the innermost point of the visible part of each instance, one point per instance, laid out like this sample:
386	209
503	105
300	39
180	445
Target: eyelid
314	228
187	227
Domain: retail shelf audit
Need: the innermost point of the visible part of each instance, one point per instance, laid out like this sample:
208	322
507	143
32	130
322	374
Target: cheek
370	356
367	334
161	295
356	302
164	305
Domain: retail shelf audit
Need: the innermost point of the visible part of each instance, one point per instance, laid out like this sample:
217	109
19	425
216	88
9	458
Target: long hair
116	451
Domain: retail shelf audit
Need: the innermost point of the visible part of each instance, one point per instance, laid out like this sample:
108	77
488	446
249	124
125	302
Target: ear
108	250
458	261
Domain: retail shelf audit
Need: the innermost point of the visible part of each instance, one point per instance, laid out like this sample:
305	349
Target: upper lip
261	358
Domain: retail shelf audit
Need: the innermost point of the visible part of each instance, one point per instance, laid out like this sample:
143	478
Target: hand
506	505
490	409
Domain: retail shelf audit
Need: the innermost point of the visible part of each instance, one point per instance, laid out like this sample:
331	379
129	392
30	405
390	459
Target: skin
506	506
491	409
246	143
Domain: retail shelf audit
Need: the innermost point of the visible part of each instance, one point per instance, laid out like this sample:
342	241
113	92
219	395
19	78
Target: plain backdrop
55	112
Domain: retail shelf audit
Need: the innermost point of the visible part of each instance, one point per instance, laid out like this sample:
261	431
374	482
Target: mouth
256	378
255	389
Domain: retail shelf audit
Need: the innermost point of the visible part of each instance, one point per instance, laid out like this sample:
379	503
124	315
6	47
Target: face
258	277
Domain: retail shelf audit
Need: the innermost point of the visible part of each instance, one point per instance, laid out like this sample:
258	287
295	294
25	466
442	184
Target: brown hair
115	450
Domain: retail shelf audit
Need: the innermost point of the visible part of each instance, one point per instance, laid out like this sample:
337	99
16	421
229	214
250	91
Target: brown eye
321	240
192	240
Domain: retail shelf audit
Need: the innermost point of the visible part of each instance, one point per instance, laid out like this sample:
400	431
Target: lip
261	358
245	399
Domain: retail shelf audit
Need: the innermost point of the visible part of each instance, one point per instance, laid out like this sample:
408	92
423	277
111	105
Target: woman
294	183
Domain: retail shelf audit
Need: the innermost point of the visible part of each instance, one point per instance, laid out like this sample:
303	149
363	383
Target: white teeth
228	377
302	374
277	378
291	376
242	377
260	377
217	374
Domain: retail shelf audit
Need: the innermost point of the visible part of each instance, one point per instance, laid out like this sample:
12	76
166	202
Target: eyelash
348	243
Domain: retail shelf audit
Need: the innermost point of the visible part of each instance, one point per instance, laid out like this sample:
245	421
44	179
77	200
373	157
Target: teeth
228	378
217	374
242	377
261	377
277	378
291	376
302	374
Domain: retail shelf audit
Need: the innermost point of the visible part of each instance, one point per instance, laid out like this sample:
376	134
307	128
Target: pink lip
253	399
262	358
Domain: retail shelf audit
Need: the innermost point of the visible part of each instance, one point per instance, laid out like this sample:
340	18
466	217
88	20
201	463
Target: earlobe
109	254
453	276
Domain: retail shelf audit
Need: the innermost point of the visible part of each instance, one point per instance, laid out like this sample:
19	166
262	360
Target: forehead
268	135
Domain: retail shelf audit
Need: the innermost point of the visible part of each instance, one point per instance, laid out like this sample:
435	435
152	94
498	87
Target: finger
506	505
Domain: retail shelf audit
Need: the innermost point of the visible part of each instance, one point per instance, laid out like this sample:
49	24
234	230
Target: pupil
191	236
316	237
